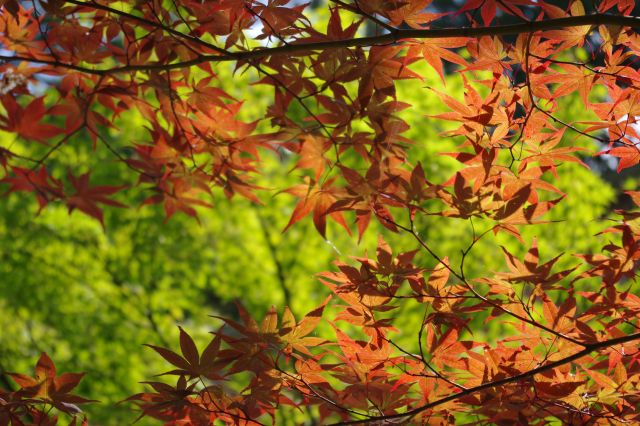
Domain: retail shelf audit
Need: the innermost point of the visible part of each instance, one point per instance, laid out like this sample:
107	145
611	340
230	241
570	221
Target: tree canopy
471	167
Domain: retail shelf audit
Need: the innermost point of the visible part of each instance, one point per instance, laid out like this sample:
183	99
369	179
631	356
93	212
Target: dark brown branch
527	374
397	36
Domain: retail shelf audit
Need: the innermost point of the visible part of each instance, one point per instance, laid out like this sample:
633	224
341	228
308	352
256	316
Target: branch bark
395	36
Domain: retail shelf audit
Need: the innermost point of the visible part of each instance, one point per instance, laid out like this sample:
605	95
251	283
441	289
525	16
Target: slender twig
484	299
535	105
144	21
358	10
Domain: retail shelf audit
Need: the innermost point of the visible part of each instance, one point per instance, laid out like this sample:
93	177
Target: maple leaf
617	261
26	121
475	113
167	402
278	18
86	197
530	270
545	151
488	8
623	6
629	156
317	199
182	193
568	37
296	335
435	50
191	363
571	80
49	387
383	67
44	186
312	154
413	14
335	28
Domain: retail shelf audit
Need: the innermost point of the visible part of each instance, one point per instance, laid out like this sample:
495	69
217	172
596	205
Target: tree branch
397	36
527	374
